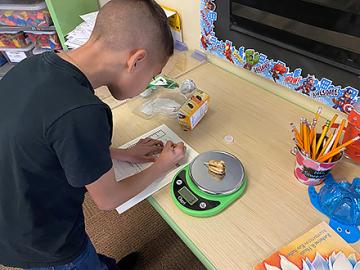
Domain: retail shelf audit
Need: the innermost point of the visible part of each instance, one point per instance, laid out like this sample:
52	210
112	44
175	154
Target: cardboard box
174	23
193	110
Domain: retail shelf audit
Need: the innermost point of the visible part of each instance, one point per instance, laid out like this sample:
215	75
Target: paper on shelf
126	169
81	34
90	17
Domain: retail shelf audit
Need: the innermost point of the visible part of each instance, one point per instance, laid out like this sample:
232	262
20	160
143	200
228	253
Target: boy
55	136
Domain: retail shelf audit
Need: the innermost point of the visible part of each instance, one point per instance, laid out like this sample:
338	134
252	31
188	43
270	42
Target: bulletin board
342	98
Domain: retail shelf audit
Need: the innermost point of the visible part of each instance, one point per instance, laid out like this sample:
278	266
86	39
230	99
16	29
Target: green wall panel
65	14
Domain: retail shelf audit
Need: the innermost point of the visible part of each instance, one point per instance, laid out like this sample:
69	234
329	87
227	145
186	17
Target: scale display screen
187	195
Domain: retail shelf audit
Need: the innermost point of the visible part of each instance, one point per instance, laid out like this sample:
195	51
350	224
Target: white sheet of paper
125	169
89	17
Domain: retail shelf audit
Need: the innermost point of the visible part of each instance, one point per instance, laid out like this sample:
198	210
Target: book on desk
321	248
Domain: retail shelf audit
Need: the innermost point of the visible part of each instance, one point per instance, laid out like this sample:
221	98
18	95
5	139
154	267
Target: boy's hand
108	193
170	156
144	151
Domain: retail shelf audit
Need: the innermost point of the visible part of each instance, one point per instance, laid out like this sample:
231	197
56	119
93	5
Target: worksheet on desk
125	169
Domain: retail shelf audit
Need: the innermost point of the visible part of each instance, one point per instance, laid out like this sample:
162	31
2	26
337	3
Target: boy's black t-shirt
55	136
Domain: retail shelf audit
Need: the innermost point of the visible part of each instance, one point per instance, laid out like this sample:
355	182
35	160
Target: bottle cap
229	139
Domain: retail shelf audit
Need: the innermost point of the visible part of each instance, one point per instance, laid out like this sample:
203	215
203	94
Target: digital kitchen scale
198	192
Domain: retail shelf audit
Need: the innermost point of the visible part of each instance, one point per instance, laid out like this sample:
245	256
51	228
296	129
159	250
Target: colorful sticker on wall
323	90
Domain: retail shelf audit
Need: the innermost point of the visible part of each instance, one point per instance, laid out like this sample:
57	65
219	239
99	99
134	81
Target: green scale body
194	201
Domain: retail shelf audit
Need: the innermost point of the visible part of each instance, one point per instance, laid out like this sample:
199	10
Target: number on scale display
187	195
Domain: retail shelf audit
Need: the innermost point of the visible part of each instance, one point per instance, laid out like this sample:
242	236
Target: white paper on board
125	169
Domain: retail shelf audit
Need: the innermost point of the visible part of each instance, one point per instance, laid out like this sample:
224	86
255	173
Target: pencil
308	129
313	130
299	144
328	142
325	129
317	114
306	139
313	126
333	120
330	155
328	148
296	132
338	149
302	119
349	142
313	149
300	141
307	125
338	135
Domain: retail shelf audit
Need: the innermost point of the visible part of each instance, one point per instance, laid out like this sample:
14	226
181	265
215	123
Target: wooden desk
275	209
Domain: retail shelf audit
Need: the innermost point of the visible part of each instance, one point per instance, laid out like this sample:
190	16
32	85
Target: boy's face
133	80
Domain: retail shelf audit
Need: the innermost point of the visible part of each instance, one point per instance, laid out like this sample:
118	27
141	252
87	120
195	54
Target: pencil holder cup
311	172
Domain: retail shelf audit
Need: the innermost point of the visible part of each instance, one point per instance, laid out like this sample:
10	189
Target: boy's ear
135	59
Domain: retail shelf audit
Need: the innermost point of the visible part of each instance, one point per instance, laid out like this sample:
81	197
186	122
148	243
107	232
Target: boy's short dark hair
165	31
138	22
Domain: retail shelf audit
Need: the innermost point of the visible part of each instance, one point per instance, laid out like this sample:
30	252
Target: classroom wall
189	11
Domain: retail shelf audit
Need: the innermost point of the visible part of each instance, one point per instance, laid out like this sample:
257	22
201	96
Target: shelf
24	28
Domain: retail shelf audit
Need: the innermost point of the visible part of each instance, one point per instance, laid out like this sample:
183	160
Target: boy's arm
143	151
108	194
